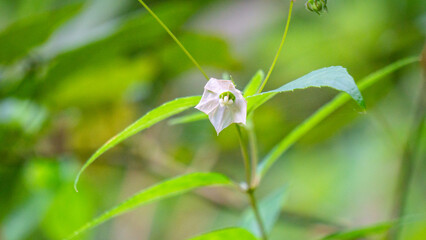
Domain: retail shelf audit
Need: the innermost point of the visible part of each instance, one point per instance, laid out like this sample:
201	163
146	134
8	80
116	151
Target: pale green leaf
361	232
23	35
334	77
192	117
324	112
270	208
154	116
254	84
157	192
227	234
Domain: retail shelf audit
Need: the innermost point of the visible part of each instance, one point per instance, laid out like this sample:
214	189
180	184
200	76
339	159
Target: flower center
226	99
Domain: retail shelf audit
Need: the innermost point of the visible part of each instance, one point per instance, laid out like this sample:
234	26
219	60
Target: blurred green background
74	73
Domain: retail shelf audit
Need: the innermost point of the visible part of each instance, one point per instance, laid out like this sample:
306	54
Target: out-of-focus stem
409	155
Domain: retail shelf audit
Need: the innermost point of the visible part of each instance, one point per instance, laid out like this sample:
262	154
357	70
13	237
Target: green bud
317	6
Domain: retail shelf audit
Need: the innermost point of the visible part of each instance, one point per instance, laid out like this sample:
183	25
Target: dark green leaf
20	37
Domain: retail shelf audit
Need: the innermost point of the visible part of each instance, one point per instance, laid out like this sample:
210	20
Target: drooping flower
223	103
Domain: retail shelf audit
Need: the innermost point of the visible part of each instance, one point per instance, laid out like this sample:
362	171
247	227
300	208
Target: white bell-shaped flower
223	103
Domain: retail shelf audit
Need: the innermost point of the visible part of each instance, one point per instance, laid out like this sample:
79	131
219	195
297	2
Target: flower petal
219	86
208	102
221	118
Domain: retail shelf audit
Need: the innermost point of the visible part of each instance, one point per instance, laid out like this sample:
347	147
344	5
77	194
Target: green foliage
323	112
269	207
361	232
23	35
334	77
229	233
160	191
154	116
253	86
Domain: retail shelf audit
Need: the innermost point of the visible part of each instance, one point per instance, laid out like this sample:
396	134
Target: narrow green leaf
324	112
254	84
334	77
361	232
227	234
270	208
154	116
23	35
157	192
378	228
192	117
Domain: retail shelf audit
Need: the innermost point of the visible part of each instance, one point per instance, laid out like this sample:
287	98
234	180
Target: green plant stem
253	203
253	152
245	154
250	189
174	38
279	48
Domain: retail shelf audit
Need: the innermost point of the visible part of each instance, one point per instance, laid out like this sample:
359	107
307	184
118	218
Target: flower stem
245	154
279	48
253	153
174	38
253	203
251	188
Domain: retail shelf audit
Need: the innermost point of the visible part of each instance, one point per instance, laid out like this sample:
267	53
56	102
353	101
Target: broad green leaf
270	208
361	232
23	35
254	84
334	77
193	117
157	192
324	112
227	234
154	116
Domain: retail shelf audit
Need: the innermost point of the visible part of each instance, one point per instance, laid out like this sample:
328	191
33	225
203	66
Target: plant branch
279	48
253	203
245	154
174	38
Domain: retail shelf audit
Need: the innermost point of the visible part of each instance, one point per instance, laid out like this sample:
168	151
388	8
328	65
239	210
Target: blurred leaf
324	112
254	84
152	117
216	54
334	77
23	35
361	232
102	84
270	208
226	234
162	190
23	221
192	117
137	34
